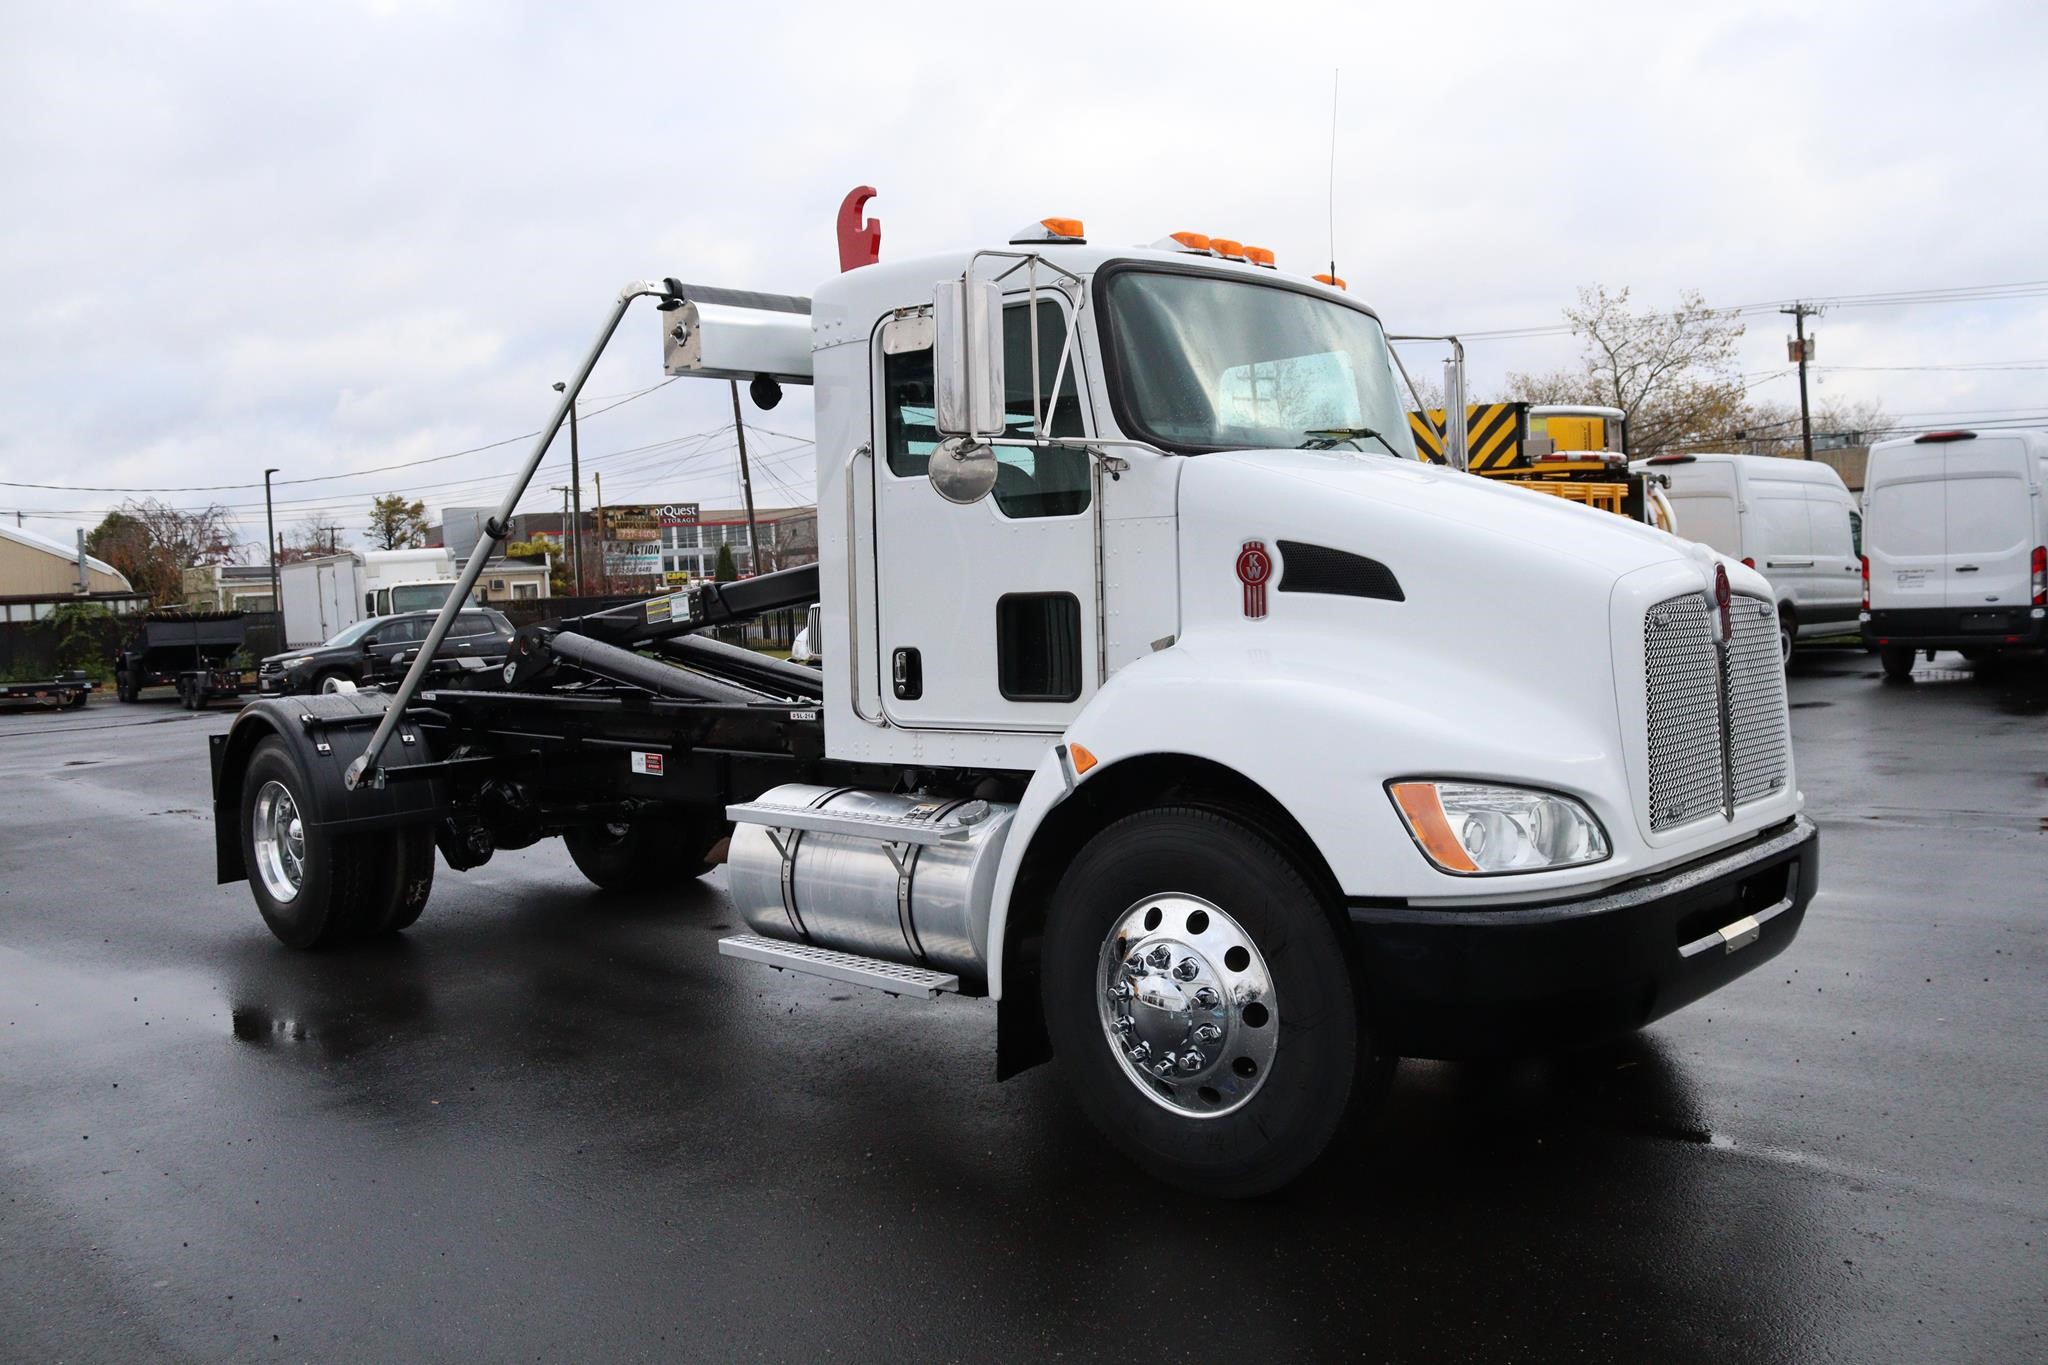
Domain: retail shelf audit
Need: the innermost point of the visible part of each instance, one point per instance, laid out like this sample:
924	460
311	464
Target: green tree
727	570
396	524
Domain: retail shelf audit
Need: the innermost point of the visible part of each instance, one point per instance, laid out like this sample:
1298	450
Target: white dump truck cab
1166	699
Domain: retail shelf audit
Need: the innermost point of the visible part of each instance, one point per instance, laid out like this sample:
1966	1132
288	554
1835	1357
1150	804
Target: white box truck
1793	521
1141	616
324	596
1955	545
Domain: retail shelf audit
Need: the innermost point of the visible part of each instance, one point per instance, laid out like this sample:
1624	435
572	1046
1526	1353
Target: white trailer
1141	613
324	596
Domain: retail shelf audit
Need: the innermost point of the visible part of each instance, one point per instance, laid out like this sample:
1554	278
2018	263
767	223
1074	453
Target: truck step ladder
850	968
856	824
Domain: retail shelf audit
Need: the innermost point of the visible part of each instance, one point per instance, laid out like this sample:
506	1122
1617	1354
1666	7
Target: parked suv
1956	535
378	649
1793	521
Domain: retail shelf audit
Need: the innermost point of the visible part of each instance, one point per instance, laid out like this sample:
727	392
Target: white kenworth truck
1167	701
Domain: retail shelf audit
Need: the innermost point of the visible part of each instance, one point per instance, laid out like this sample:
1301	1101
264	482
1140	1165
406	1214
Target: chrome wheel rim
280	839
1187	1005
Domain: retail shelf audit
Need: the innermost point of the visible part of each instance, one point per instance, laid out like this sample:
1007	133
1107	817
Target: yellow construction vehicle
1566	450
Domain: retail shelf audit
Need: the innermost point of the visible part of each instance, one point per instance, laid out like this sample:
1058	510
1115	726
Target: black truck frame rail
606	718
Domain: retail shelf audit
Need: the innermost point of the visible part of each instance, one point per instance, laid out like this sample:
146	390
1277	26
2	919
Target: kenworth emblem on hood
1254	567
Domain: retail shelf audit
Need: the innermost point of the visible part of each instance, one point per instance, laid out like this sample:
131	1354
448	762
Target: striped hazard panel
1493	435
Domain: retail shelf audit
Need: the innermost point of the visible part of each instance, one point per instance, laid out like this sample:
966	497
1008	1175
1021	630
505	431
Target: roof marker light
1259	255
1067	230
1194	243
1935	438
1227	249
1335	282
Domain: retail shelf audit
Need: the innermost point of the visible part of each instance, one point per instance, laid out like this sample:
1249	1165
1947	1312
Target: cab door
986	613
1836	583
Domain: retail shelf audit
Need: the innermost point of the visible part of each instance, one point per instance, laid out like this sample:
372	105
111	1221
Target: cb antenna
1335	72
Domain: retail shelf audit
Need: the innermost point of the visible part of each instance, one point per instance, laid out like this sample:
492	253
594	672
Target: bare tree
1673	373
153	543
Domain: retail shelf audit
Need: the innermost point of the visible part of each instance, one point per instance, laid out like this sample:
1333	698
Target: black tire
1897	660
1788	635
647	853
351	886
1321	1062
124	686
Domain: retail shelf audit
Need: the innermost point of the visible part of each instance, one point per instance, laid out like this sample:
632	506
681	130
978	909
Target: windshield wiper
1326	438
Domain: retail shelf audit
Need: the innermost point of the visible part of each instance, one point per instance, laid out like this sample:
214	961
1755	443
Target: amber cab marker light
1424	811
1084	759
1259	255
1192	241
1063	227
1334	281
1227	249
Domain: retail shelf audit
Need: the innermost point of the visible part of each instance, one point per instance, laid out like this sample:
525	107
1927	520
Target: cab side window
1029	483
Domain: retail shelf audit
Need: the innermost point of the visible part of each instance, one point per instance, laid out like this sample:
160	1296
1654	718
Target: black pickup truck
378	649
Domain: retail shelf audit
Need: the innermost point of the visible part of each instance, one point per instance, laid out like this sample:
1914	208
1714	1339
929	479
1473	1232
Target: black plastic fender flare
325	733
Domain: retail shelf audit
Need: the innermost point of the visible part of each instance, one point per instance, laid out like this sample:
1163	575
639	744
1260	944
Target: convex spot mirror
967	358
963	470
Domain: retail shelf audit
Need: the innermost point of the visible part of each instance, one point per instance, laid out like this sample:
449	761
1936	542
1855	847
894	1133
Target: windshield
419	596
353	633
1209	362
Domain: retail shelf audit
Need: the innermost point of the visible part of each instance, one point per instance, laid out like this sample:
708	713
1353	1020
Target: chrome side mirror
963	470
967	358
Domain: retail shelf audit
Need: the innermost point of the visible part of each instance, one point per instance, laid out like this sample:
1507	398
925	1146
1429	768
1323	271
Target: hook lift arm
365	769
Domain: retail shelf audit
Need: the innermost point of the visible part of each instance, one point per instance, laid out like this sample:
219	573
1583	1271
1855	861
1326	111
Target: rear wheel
315	888
642	854
1897	660
1788	631
1198	996
125	686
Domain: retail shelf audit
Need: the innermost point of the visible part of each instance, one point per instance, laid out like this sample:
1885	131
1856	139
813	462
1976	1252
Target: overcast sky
339	236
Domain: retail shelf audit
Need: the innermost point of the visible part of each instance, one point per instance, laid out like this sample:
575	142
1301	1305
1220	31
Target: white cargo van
1791	520
1954	532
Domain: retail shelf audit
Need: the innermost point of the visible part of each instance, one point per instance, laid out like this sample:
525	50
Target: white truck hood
1349	493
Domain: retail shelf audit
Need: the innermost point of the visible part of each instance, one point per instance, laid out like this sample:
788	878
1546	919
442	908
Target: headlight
1473	829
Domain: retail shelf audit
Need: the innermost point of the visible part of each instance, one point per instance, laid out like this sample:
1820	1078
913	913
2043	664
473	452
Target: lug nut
1160	956
1192	1061
1141	1050
1207	1033
1164	1066
1121	1023
1120	991
1206	998
1186	969
1135	964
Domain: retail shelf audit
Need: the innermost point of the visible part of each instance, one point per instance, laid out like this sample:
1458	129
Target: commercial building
38	574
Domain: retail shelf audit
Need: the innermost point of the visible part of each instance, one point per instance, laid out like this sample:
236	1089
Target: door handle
1966	568
1791	563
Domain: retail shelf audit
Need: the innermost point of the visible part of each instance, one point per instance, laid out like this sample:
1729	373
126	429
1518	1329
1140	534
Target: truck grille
1692	773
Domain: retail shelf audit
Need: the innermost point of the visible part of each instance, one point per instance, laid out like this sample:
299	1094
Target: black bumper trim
1942	627
1509	979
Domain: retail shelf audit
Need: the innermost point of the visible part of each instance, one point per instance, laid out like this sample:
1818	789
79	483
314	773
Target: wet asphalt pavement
550	1125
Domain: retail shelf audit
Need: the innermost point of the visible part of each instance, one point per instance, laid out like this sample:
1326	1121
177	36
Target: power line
329	478
2020	289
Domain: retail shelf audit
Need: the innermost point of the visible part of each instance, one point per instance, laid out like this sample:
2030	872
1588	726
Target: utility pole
602	581
333	538
739	430
270	536
576	502
568	565
1801	350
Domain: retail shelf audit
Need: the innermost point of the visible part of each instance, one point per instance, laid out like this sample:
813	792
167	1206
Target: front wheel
1897	660
1198	996
1787	633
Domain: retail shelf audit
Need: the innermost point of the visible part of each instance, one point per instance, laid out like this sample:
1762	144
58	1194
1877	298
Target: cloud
333	237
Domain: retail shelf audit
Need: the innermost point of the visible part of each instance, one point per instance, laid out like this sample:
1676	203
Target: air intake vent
1318	568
